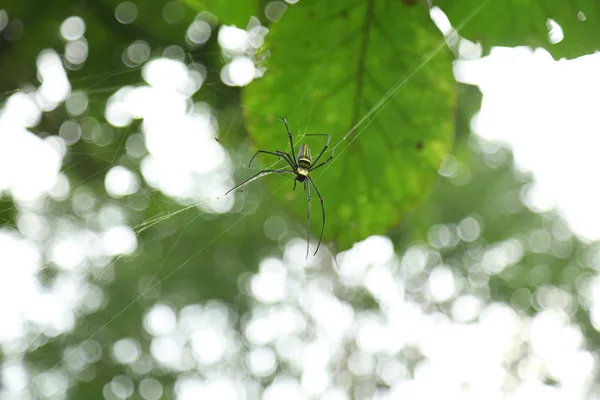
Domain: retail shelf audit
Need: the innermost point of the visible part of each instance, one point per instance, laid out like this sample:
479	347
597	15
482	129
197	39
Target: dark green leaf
374	75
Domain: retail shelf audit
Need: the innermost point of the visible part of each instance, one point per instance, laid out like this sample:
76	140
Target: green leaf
524	22
376	76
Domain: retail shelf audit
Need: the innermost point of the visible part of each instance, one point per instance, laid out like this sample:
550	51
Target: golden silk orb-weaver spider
301	166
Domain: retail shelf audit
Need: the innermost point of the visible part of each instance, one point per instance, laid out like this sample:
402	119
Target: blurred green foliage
229	12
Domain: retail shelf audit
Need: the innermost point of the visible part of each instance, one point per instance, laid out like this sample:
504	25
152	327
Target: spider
300	167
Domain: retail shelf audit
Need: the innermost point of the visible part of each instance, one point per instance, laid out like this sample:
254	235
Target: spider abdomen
304	158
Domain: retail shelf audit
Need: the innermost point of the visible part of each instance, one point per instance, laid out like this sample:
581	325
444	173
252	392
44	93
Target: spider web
196	207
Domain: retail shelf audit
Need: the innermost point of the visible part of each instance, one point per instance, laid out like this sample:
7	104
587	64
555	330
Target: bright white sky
546	111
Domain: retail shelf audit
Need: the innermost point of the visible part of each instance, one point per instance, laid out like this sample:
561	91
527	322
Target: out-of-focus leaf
468	103
229	12
166	22
332	64
518	23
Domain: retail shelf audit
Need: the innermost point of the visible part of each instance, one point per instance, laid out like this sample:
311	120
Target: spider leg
287	127
258	175
324	148
277	153
287	158
307	187
322	209
324	162
294	184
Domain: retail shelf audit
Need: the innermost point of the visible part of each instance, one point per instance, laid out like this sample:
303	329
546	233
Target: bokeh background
126	273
